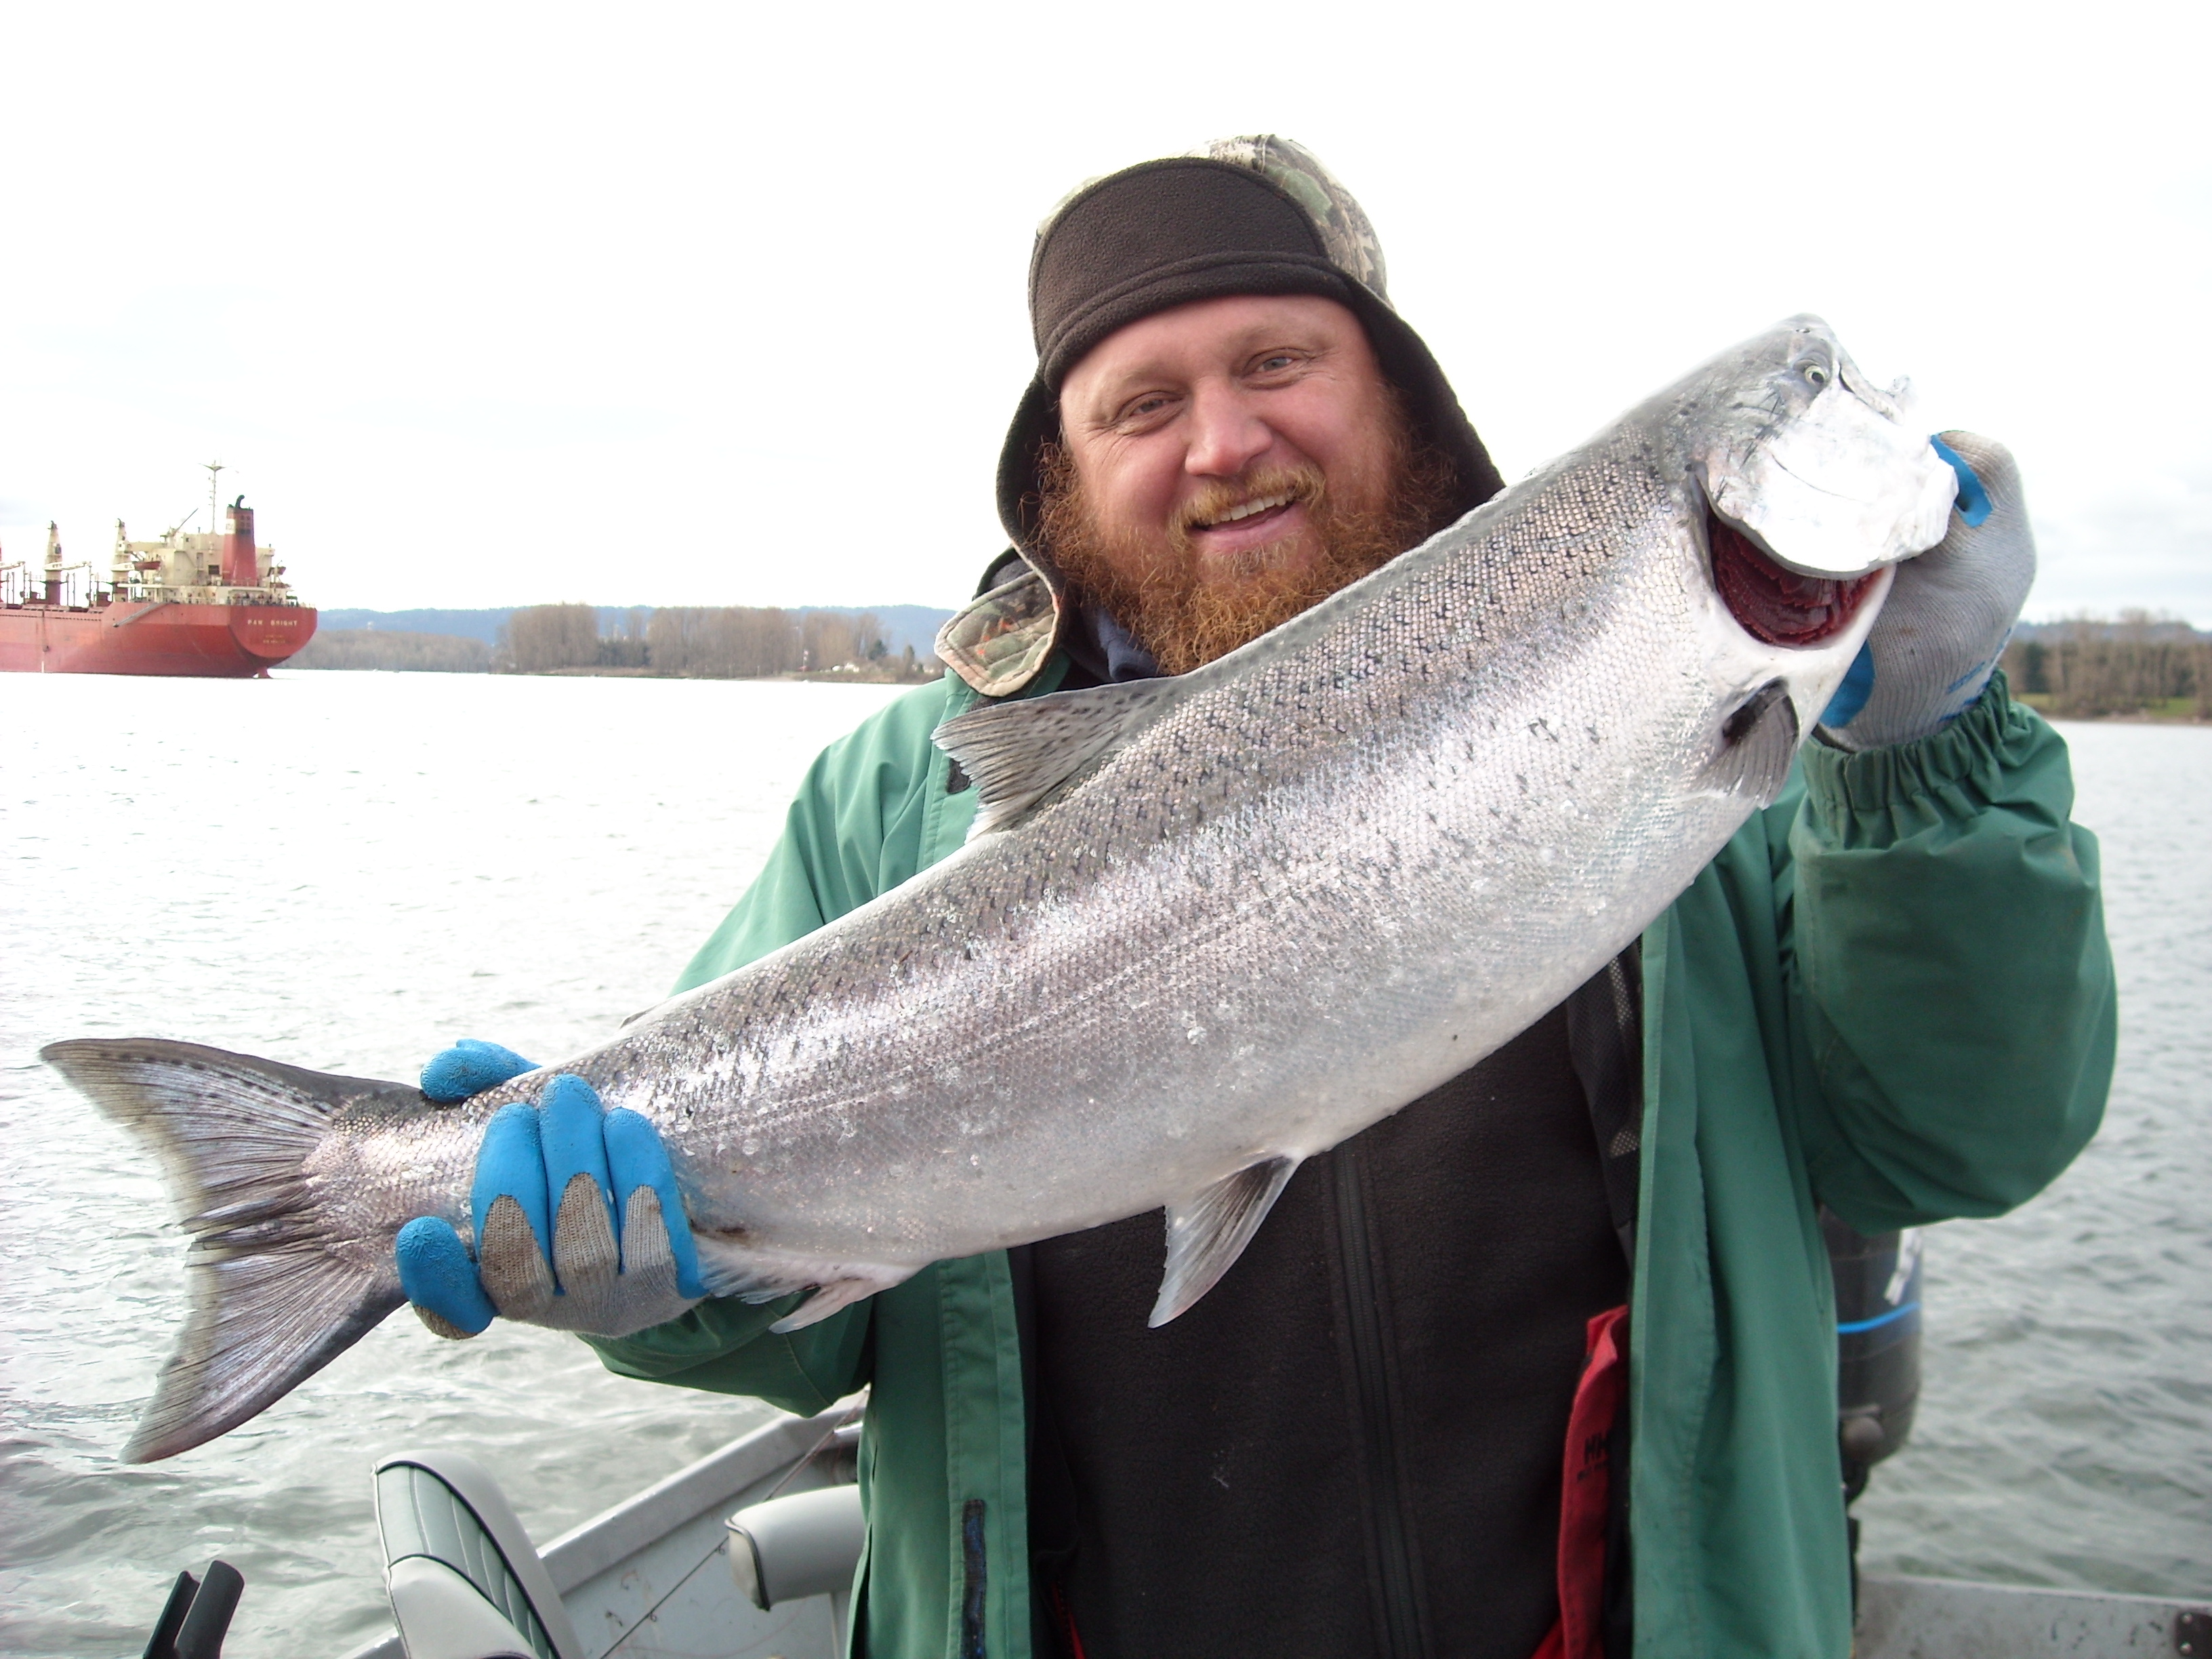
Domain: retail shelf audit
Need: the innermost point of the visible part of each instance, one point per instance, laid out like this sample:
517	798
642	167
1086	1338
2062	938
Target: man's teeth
1264	504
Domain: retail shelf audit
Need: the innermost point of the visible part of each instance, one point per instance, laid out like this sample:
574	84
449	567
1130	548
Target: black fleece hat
1248	215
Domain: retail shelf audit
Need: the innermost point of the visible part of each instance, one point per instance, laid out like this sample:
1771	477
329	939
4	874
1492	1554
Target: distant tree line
2139	663
700	643
367	647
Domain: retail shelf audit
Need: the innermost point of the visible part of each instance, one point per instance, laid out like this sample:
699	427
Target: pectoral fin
1206	1233
1758	741
749	1271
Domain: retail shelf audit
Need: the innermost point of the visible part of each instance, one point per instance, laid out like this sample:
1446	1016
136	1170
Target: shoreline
817	676
2039	701
2123	719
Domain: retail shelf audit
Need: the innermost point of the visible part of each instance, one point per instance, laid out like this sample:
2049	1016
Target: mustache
1218	498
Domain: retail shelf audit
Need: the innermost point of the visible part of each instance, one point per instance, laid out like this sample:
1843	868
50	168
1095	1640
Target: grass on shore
2167	710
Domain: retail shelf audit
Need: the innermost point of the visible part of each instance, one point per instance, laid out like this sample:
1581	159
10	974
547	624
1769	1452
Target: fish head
1809	462
1802	486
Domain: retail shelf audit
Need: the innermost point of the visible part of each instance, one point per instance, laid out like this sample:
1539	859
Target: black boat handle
196	1616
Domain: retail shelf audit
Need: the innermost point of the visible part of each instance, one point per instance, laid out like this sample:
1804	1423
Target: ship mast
215	496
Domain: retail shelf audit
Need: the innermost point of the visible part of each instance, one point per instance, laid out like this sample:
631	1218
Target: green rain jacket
1891	993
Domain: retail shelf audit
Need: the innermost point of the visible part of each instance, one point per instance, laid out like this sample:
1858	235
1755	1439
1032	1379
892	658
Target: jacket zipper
1356	1251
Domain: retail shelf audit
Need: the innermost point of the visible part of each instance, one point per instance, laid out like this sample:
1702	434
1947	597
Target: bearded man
1890	994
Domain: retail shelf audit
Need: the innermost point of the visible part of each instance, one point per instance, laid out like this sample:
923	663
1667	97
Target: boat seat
464	1580
807	1544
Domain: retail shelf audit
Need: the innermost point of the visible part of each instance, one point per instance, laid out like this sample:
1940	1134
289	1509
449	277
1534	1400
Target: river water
349	870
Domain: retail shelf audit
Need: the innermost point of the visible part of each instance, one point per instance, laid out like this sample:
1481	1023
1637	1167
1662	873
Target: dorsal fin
1019	752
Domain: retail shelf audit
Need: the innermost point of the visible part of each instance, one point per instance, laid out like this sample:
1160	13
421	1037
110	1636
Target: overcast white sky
665	304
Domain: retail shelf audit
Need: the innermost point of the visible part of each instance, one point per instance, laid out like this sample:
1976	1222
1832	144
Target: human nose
1227	433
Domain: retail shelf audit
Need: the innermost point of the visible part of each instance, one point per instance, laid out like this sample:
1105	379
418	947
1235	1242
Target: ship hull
200	641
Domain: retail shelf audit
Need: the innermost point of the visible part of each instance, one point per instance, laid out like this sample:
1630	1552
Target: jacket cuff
709	1331
1992	736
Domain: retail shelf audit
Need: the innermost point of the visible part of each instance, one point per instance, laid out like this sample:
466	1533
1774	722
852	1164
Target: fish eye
1816	373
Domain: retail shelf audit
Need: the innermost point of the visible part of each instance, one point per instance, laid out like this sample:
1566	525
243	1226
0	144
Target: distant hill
902	624
467	624
2141	626
393	648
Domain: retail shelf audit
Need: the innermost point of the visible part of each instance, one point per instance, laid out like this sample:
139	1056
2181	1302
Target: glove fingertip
510	1164
436	1275
637	1160
636	1156
569	1093
682	1246
572	1127
469	1067
1851	698
1973	505
516	1121
445	1078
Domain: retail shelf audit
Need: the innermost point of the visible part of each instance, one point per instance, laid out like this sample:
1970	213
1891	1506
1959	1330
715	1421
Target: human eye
1276	363
1144	410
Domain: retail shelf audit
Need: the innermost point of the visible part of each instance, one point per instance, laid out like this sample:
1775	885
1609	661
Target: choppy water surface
2065	1427
349	870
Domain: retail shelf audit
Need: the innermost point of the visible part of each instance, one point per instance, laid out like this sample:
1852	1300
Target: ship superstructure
204	604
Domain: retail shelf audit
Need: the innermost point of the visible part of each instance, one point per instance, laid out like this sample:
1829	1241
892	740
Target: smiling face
1228	463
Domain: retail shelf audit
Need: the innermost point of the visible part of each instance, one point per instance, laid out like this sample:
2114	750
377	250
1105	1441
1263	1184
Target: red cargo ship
209	606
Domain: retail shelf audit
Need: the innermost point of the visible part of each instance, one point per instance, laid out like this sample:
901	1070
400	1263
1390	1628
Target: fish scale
1207	927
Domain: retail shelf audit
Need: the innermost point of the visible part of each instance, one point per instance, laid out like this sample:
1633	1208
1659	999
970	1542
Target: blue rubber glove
578	1222
470	1067
1949	611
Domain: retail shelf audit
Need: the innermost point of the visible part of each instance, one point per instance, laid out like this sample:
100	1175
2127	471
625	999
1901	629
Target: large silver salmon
1207	927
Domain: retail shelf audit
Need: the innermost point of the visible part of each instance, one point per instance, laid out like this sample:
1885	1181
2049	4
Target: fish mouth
1775	605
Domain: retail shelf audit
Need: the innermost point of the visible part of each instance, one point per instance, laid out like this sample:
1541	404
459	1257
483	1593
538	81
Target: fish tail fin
273	1295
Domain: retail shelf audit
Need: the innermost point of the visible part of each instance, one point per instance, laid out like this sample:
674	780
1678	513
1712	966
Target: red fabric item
1585	1487
1067	1624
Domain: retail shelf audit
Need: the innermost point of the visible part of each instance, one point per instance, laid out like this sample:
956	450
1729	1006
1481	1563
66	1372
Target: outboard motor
1877	1350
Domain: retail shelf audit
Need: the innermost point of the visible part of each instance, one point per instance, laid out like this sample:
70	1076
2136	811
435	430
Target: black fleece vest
1352	1445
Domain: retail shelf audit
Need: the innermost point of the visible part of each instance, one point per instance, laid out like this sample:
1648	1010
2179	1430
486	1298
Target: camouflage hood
1255	215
